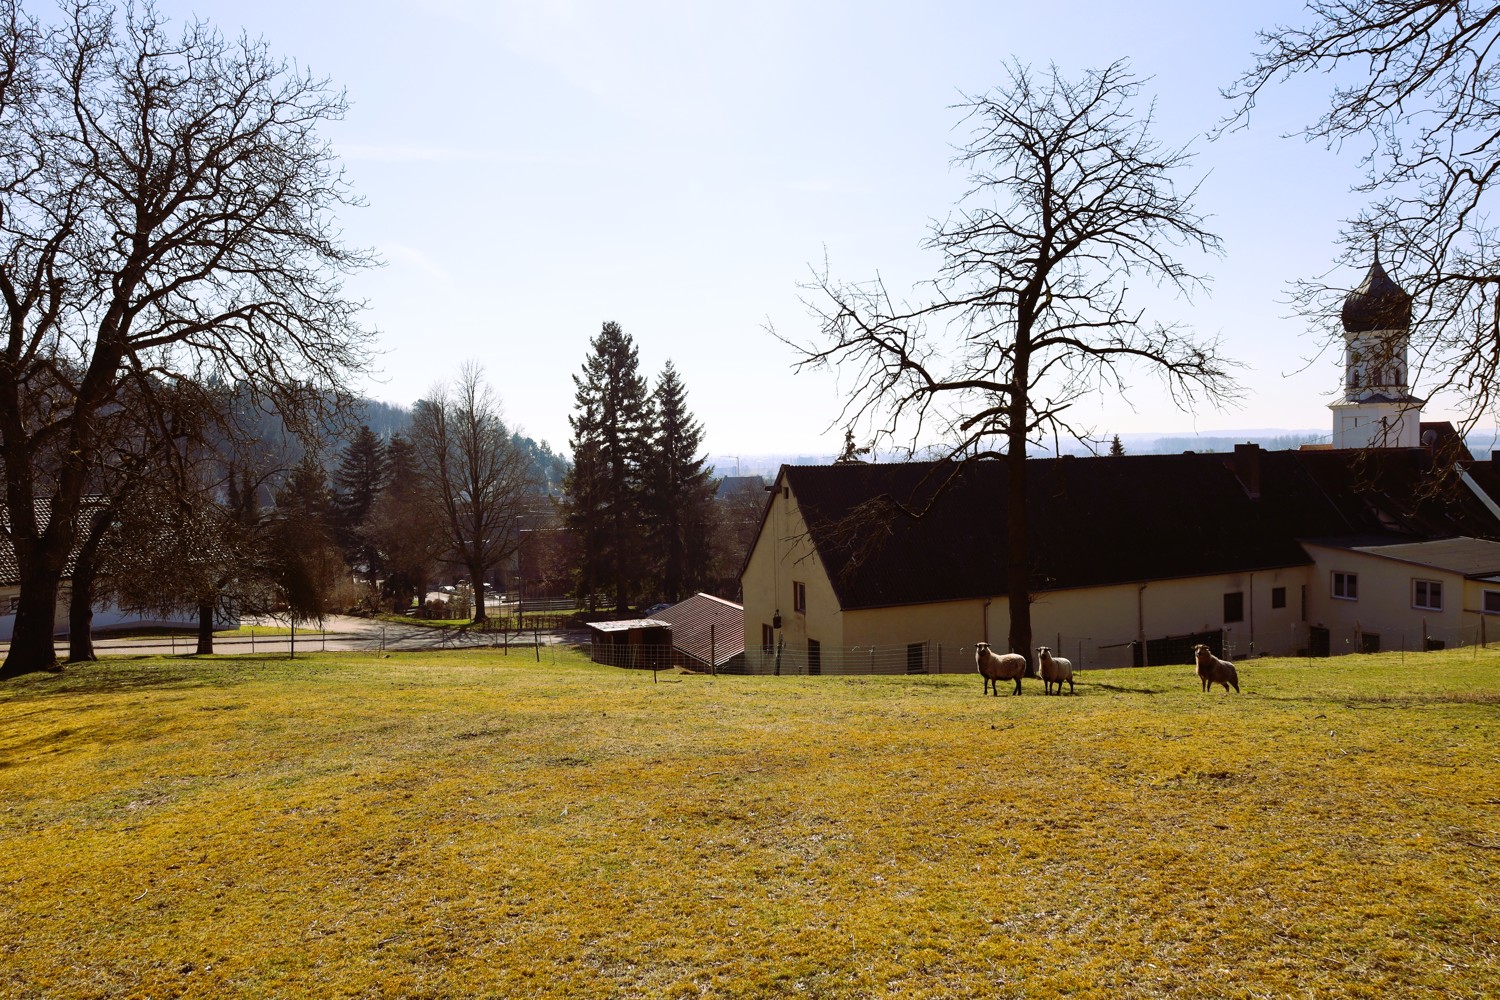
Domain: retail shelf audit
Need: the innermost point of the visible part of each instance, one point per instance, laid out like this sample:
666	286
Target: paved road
339	634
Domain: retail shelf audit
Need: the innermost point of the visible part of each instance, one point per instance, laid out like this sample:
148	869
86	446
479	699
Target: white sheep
1055	670
997	667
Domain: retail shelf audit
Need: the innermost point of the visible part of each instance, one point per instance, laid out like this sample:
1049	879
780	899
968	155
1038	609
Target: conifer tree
604	489
359	479
679	493
302	561
1115	447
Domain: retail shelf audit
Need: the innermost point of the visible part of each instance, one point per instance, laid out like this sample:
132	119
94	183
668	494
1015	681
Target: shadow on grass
118	674
1121	689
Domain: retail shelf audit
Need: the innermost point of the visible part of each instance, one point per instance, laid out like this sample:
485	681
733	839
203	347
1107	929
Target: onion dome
1377	304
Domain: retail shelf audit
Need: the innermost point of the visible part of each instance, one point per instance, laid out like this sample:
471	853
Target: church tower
1377	409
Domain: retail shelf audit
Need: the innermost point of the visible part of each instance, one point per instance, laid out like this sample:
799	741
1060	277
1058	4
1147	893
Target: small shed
632	642
708	633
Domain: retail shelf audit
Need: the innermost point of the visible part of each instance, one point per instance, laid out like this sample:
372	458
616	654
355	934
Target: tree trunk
205	629
1018	559
31	647
81	599
476	578
81	619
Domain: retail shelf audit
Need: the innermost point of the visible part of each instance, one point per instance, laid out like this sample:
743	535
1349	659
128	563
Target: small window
814	656
1346	586
1492	602
799	597
767	639
1427	595
1369	642
1278	597
1234	607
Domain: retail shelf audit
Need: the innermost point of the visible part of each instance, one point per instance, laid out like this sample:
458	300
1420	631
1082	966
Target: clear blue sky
534	169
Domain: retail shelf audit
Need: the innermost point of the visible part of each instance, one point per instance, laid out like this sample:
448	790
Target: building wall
1383	607
106	616
782	557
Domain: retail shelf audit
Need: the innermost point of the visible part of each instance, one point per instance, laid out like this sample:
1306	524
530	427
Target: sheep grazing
1055	670
997	667
1212	670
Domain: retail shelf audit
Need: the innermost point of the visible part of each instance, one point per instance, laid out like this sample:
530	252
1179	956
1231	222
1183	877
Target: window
814	656
767	639
1427	595
1369	642
1234	607
1492	602
1278	597
1346	586
799	597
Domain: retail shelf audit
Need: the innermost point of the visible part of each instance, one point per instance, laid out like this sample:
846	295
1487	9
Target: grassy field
466	824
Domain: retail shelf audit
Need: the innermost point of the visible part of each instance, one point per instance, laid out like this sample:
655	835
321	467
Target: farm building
1391	540
701	633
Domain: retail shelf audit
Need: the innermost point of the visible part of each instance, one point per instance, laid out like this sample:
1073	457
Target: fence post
872	660
536	640
940	657
711	632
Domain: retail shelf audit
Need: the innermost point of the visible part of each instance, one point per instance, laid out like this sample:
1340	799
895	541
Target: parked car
654	610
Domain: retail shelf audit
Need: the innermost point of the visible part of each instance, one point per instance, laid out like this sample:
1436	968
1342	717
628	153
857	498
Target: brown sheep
997	667
1055	670
1212	670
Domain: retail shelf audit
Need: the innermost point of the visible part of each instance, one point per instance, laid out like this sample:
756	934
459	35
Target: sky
533	170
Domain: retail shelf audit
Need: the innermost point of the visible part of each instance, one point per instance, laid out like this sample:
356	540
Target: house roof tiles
1117	520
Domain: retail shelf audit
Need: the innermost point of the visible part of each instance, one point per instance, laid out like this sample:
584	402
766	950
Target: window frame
1347	582
1234	597
1417	584
1484	602
1278	598
799	597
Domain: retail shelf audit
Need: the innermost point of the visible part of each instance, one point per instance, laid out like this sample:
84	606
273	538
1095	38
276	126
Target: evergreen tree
303	564
1115	447
403	528
679	493
359	479
604	503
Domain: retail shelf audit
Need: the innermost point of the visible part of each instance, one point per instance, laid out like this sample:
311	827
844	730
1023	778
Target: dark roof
10	570
1116	520
1377	304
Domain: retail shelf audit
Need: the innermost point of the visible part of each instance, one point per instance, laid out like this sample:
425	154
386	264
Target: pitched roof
703	621
10	569
1117	520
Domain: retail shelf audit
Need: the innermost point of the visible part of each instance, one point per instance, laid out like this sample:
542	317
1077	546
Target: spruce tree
604	502
359	479
679	493
1115	447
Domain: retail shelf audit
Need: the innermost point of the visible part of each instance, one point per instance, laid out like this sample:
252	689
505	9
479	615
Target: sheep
1212	670
997	667
1055	670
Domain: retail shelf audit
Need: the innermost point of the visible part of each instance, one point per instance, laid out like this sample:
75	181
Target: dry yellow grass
468	824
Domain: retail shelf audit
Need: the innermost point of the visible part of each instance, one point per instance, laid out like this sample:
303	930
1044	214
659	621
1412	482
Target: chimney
1247	468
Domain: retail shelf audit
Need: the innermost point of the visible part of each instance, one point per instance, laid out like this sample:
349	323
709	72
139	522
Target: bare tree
1071	201
475	477
166	213
1421	106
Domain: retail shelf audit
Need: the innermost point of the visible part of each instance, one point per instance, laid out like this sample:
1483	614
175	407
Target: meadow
468	824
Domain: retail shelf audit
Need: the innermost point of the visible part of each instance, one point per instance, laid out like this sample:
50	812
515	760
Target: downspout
1140	620
1252	610
984	623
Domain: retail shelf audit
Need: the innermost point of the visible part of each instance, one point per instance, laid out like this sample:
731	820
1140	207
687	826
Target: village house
1390	539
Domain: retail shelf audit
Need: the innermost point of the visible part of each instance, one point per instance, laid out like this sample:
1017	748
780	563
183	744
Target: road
339	634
